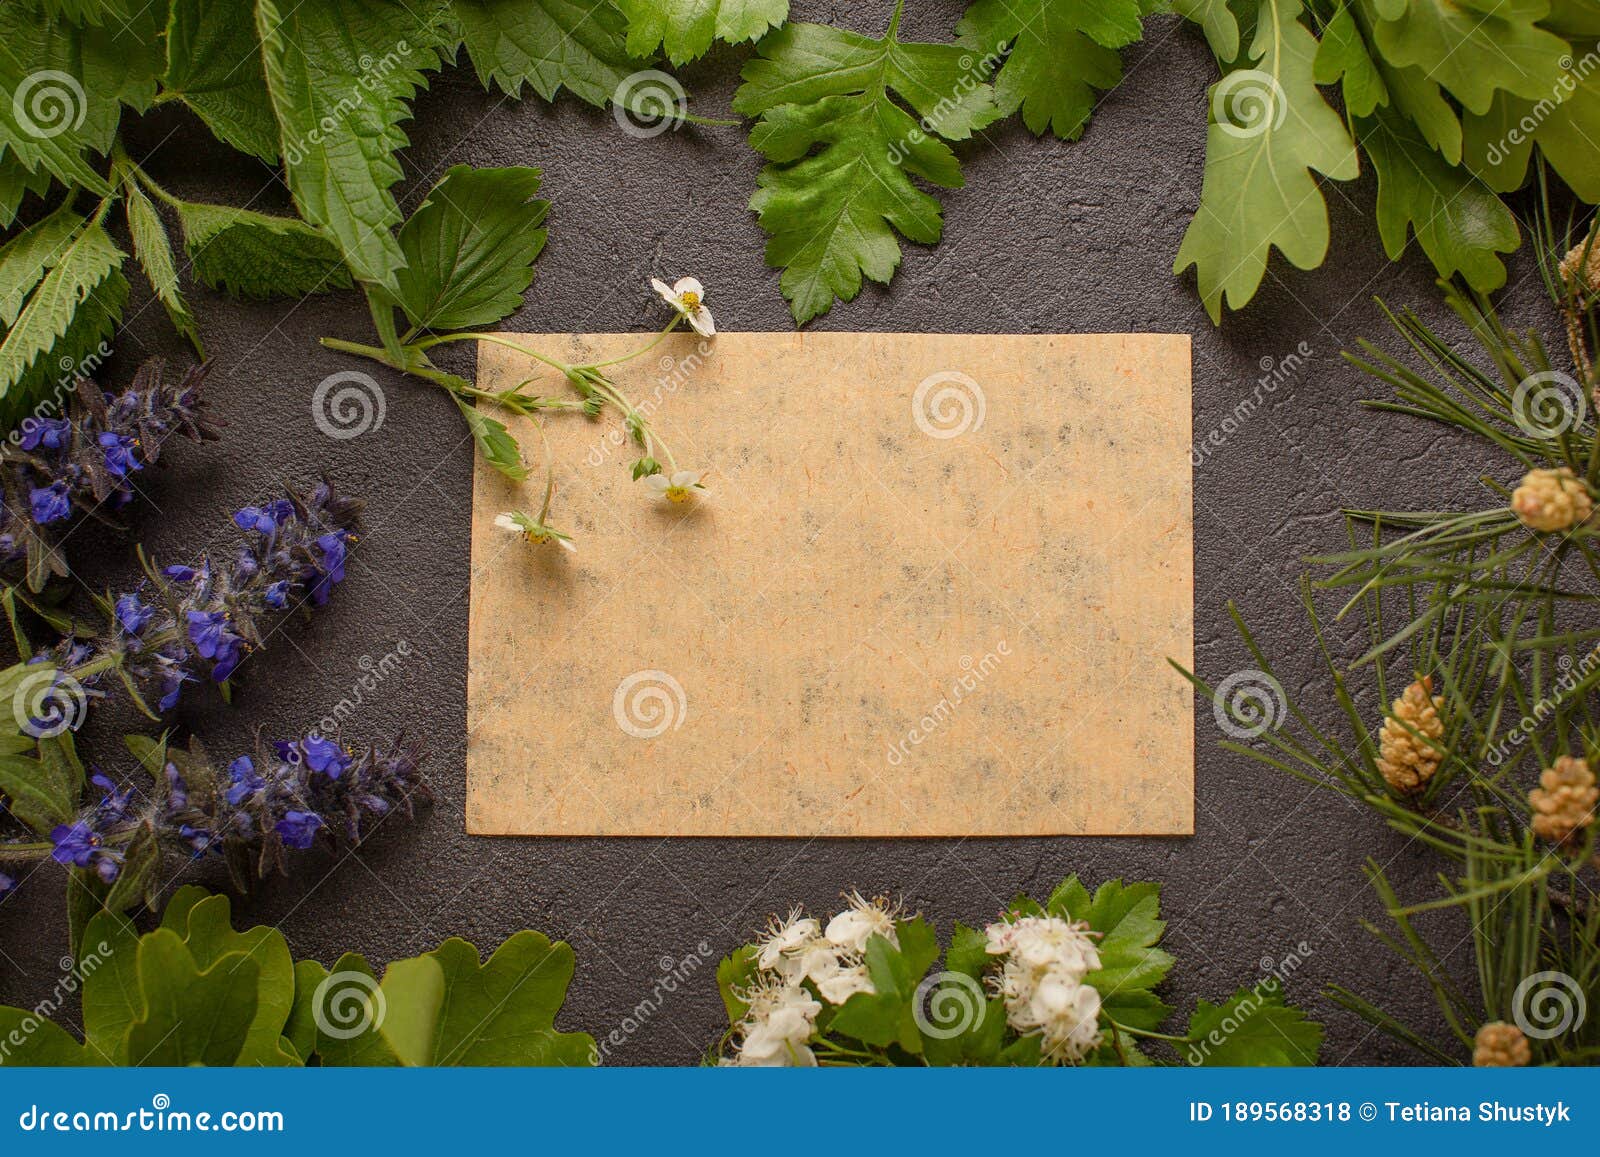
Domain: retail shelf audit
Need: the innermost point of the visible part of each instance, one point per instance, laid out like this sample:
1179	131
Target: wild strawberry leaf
1269	130
842	151
341	74
579	45
1252	1027
685	29
1058	53
214	66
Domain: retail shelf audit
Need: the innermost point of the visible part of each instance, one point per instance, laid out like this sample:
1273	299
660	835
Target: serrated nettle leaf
1473	52
1460	224
45	109
1269	131
470	247
252	254
153	250
341	74
685	29
16	183
26	258
547	44
843	151
1253	1027
214	67
1058	53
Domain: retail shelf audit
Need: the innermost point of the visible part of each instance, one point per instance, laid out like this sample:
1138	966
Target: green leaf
301	1029
33	795
470	247
498	447
736	973
1269	130
252	254
26	258
190	1016
44	1044
84	11
1128	918
208	933
1252	1028
1566	127
1342	57
154	251
108	962
446	1008
214	67
16	183
578	45
1060	53
1217	21
969	952
347	1009
1473	50
1459	223
887	1015
340	74
686	28
843	151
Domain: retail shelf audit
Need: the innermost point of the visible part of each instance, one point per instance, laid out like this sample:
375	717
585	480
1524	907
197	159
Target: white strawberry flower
688	296
680	486
534	531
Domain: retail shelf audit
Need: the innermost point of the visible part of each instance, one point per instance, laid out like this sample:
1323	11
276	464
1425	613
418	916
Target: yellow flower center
678	493
691	302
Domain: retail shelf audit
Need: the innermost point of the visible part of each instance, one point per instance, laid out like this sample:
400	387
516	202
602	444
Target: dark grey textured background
1046	237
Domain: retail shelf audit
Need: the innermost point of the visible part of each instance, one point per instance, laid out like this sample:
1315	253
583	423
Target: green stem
677	319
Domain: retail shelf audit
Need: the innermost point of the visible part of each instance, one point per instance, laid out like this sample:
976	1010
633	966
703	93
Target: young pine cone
1500	1045
1552	500
1408	763
1581	275
1580	269
1563	803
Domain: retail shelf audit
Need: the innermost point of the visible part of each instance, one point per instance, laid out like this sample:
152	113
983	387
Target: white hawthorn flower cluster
799	960
1044	962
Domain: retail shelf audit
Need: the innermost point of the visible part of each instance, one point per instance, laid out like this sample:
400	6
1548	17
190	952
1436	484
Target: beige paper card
932	592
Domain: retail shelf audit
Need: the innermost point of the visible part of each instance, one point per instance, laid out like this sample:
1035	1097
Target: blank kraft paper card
931	590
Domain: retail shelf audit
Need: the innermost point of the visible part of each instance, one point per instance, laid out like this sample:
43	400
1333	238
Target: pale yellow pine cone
1408	763
1576	272
1582	276
1552	500
1564	802
1500	1045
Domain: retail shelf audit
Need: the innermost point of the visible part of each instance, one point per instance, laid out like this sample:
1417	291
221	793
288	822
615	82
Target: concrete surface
1045	237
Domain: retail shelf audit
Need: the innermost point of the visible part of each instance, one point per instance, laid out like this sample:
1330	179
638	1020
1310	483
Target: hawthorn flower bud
1500	1045
1406	761
1550	501
1563	804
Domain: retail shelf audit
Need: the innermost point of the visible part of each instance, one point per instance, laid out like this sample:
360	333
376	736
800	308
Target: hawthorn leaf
190	1016
1458	221
1128	919
470	247
252	254
153	250
685	29
1252	1028
341	74
842	151
1269	130
887	1015
1475	51
579	45
214	67
1057	54
736	973
447	1008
